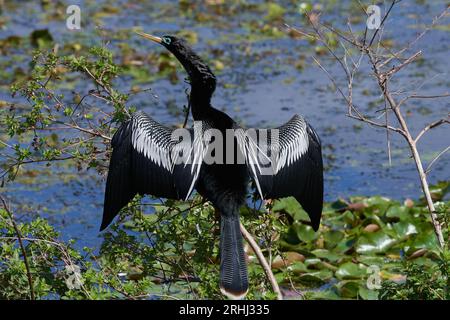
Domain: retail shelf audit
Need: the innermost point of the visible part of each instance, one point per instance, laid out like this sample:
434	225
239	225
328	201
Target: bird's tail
233	267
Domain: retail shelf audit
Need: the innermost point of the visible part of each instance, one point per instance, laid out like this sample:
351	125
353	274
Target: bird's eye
166	40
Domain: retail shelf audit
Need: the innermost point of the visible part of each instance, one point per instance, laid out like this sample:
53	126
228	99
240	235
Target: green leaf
404	228
333	237
367	294
425	240
348	289
339	204
320	276
325	254
291	236
292	207
305	232
350	270
400	212
313	262
378	242
378	205
298	267
323	295
345	245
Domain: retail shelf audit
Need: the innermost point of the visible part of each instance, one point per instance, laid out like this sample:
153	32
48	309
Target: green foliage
34	129
170	250
424	280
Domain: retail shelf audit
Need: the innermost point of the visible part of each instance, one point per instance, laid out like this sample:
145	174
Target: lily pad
377	205
400	212
425	240
332	238
316	276
326	254
298	268
378	242
404	229
291	206
313	262
348	289
305	232
323	295
367	294
350	270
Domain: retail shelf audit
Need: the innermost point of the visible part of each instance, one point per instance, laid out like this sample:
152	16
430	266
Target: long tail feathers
233	267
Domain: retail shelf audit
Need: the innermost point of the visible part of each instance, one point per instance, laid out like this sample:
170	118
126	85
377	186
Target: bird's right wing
287	161
147	159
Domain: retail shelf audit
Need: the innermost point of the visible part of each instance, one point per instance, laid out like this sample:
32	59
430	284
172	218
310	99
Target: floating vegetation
366	248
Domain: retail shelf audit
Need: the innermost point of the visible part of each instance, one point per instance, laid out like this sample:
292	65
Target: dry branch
262	260
377	61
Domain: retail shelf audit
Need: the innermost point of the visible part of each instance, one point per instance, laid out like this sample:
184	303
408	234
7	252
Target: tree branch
429	127
262	260
428	169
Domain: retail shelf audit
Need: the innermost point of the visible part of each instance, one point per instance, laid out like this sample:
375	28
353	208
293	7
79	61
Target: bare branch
431	126
397	54
396	69
382	78
383	20
416	96
262	260
428	169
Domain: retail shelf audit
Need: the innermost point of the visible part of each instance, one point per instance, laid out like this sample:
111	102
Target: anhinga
142	162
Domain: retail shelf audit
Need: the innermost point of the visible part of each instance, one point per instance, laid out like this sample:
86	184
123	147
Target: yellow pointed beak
149	36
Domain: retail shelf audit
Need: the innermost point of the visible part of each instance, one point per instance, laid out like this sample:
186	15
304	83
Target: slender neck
200	103
203	82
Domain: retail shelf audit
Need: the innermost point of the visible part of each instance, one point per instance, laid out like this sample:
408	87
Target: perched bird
283	161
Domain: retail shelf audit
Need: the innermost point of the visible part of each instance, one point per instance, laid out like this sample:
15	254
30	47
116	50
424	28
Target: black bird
146	160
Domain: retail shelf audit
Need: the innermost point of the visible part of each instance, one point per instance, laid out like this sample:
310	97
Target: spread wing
149	158
287	161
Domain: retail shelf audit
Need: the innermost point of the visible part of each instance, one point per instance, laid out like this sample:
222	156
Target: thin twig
359	117
382	22
423	33
417	96
428	169
388	138
429	127
403	64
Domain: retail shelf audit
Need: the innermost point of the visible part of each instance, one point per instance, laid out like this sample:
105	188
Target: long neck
203	83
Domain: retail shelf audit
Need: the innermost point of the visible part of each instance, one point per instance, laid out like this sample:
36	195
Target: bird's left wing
148	158
286	161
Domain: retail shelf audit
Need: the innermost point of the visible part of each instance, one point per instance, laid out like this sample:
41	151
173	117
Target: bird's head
177	46
198	71
171	43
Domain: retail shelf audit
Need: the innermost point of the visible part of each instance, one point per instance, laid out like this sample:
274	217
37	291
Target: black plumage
145	160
